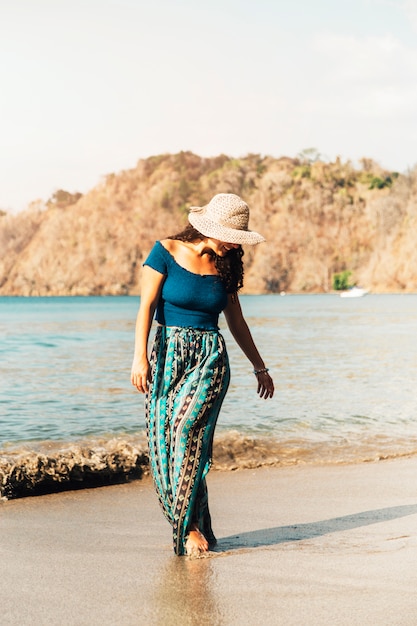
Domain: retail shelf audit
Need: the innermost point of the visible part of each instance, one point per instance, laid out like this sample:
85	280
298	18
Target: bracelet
261	371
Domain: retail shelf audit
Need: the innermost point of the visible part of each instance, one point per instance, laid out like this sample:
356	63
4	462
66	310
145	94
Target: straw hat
225	217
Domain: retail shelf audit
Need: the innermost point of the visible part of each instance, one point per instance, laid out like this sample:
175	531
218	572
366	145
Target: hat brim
209	228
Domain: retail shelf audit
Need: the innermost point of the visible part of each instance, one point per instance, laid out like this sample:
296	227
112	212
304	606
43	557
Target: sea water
345	373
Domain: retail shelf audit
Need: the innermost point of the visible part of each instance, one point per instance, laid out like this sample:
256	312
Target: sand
297	546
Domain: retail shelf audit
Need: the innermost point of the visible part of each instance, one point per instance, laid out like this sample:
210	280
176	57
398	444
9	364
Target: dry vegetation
319	219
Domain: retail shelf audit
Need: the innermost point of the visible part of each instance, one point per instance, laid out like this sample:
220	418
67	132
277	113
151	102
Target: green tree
309	155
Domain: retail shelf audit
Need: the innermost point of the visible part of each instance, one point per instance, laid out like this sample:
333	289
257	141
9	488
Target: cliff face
318	218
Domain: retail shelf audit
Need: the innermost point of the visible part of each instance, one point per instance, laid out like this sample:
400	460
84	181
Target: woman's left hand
265	385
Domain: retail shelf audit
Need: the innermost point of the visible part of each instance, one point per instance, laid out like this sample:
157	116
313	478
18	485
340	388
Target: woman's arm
151	289
240	331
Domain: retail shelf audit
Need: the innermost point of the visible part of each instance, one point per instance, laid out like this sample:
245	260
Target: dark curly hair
229	267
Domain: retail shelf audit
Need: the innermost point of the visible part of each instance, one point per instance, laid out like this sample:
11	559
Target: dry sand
297	546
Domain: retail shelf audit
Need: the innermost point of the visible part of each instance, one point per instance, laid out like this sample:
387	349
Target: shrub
302	171
61	199
341	280
379	183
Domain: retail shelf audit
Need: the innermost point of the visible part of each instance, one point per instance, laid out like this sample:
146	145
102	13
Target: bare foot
196	543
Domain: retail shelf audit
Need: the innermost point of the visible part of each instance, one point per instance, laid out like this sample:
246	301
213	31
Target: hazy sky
87	87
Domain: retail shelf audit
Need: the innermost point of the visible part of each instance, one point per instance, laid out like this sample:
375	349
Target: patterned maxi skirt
190	377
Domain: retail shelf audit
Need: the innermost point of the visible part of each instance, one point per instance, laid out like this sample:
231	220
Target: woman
189	279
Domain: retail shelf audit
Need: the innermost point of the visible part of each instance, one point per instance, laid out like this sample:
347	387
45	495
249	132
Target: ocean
345	371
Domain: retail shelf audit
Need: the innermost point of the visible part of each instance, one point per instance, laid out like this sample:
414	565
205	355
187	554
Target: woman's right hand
140	375
152	282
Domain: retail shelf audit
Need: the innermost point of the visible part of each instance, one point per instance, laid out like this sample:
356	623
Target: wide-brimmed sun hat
225	217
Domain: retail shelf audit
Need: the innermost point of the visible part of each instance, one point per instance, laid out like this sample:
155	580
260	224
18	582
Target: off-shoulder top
187	299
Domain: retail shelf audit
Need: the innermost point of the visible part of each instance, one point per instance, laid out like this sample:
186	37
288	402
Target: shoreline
296	545
52	468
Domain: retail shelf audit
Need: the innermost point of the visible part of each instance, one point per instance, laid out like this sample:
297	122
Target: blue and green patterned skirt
190	377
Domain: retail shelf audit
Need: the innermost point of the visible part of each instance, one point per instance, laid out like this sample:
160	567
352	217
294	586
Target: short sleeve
157	259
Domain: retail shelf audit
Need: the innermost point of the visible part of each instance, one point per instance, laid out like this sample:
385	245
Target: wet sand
311	545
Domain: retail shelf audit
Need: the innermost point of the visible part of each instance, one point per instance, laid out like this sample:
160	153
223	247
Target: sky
89	87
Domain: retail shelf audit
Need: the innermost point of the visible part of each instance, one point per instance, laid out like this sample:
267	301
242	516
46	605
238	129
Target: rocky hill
319	219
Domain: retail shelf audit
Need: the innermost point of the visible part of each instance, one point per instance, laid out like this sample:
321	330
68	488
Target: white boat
354	292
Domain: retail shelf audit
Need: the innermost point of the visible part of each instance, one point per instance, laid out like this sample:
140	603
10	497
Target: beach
306	544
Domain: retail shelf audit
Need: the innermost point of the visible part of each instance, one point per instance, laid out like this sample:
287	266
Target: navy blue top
187	300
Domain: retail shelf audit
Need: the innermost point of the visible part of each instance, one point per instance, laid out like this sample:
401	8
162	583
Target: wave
234	450
52	466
